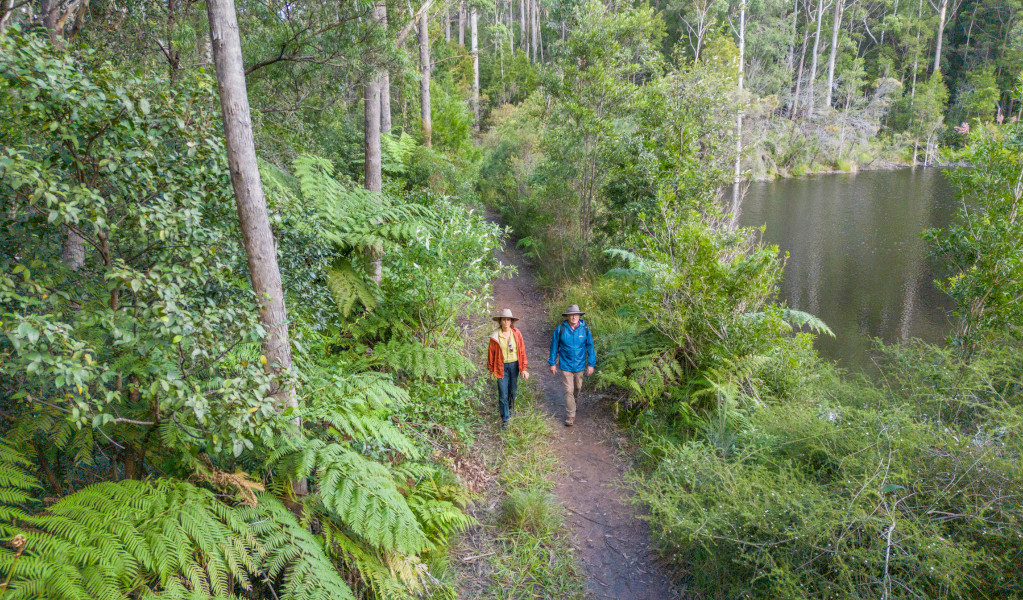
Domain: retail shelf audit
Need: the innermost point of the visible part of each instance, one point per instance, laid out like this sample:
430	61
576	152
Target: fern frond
350	287
292	556
110	540
794	318
422	361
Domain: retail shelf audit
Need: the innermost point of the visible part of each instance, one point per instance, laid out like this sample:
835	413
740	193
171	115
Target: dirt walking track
612	543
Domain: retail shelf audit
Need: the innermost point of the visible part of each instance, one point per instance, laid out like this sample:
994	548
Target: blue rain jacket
573	348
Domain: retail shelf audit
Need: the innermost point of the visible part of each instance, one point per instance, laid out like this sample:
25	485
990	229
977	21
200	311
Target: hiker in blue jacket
572	351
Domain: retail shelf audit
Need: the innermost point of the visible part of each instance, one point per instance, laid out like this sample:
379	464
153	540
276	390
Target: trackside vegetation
766	471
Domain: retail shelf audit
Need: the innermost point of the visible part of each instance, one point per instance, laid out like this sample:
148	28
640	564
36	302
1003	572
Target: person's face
505	323
573	320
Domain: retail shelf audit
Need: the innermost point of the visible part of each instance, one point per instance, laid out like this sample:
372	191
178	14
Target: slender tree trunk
373	177
380	13
799	74
447	24
916	61
839	5
791	56
522	26
812	101
534	29
474	47
257	235
941	34
540	16
385	101
424	81
461	24
742	74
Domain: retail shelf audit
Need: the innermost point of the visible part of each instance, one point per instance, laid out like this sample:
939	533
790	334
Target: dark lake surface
856	259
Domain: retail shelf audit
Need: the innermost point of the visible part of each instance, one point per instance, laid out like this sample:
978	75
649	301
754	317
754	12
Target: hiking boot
569	421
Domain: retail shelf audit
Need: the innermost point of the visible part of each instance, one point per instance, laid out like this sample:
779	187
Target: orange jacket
495	360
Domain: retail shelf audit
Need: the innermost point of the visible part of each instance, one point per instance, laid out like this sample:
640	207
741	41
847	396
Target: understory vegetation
145	451
766	471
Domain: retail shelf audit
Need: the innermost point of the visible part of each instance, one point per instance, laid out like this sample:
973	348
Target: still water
856	259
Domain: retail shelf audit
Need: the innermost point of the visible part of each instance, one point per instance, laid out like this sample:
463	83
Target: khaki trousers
573	386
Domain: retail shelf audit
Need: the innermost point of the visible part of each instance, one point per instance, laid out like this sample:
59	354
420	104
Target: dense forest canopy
161	437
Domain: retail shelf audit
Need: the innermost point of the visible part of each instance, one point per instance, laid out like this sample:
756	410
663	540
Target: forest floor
610	542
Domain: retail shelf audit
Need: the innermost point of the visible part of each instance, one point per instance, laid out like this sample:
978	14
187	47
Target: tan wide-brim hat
505	314
573	310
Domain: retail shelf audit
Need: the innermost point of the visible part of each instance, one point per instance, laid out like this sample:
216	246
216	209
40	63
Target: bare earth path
612	543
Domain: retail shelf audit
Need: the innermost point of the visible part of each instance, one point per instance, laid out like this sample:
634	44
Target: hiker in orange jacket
506	358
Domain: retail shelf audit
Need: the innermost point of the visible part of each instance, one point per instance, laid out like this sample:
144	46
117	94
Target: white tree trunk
257	236
942	10
813	64
373	172
474	40
461	24
839	6
447	24
522	26
424	81
742	73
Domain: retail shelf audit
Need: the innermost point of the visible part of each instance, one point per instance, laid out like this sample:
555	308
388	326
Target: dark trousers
506	388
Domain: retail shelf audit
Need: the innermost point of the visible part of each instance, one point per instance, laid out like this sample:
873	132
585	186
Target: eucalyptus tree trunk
813	64
916	60
260	248
522	26
447	24
380	12
942	11
461	24
790	57
424	80
535	29
839	6
373	173
474	47
742	73
799	75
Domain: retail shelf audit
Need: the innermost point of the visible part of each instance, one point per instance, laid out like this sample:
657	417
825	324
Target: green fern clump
112	540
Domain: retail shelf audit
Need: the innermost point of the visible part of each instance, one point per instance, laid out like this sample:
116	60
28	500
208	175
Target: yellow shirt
508	346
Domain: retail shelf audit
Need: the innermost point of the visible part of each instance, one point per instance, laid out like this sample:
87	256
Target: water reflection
855	256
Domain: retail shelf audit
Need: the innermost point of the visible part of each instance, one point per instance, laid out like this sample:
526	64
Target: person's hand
589	371
525	374
554	370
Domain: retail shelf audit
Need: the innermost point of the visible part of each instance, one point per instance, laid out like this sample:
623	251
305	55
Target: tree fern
396	152
112	540
349	287
422	361
796	318
292	557
361	493
358	407
642	364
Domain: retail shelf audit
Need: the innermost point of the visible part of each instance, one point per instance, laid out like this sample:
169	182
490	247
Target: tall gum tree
424	81
257	236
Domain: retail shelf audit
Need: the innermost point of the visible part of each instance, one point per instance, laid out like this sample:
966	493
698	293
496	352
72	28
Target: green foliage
981	247
112	540
130	332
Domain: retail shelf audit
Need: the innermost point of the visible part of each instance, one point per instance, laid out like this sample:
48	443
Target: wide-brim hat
573	310
505	314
